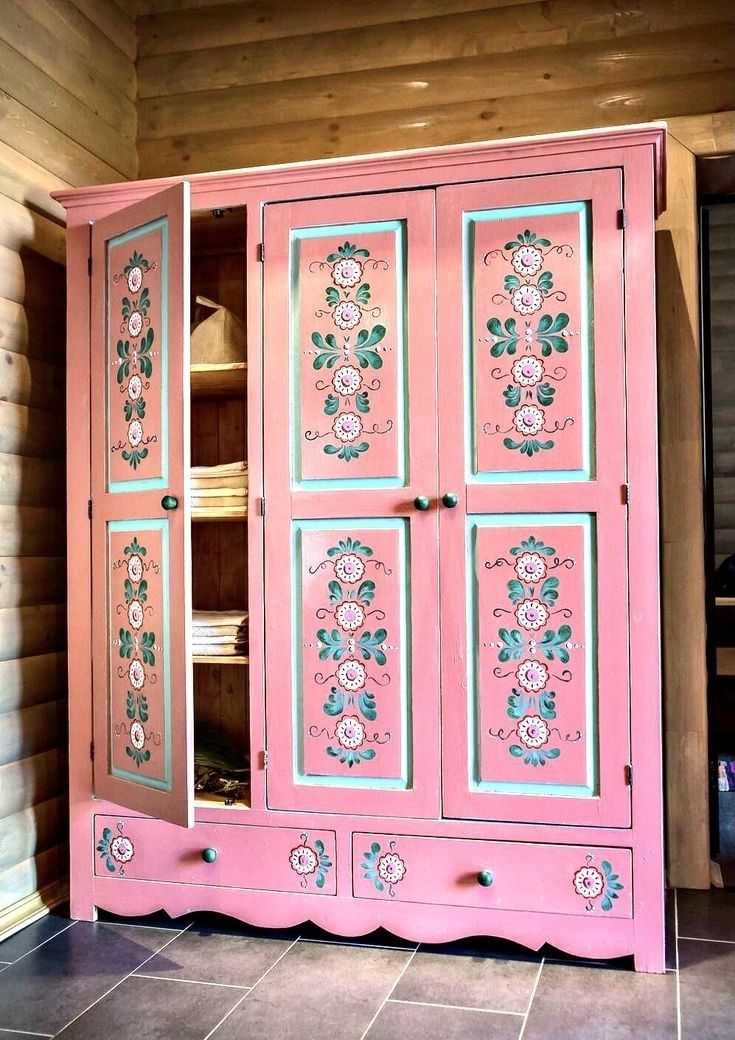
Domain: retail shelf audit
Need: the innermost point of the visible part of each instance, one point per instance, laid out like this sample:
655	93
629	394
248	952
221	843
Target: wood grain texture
481	120
236	85
67	117
682	527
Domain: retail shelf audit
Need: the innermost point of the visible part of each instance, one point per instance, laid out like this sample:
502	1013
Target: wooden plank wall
225	85
722	317
67	117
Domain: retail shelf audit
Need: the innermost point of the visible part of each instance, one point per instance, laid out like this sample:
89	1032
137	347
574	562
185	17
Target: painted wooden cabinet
448	556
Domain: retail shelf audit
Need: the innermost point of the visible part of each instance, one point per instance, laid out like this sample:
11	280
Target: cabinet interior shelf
218	380
222	659
200	513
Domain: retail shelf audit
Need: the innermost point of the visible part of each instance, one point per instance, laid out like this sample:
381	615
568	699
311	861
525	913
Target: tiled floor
205	977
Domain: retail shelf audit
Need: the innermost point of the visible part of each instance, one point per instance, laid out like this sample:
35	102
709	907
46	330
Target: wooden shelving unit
202	513
219	380
223	659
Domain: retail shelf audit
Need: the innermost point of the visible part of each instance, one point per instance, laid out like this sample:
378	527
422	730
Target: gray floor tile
707	979
45	990
419	1022
154	1009
332	991
207	956
577	1002
27	939
705	915
469	979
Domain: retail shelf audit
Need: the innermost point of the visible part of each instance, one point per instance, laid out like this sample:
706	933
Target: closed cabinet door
141	600
534	530
351	525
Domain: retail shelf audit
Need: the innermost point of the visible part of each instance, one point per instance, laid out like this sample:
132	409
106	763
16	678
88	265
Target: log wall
224	85
67	117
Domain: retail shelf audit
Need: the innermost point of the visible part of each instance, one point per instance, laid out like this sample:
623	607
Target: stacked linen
218	486
219	633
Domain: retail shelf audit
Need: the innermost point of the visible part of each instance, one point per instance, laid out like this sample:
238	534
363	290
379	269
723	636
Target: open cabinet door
141	593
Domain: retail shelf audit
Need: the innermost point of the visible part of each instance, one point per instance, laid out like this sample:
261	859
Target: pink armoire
446	719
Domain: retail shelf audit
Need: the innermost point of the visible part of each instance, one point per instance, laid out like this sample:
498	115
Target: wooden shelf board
200	513
205	800
222	659
218	380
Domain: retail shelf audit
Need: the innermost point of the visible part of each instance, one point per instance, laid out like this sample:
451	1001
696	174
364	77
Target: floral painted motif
140	649
353	648
593	884
533	596
386	870
527	290
348	303
307	860
115	852
134	360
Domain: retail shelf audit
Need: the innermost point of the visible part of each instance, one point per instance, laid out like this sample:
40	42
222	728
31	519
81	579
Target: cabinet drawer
497	875
276	859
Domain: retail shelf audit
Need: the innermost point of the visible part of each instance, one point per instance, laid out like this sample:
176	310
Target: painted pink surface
352	611
137	671
532	688
277	859
602	498
134	346
528	275
410	788
171	796
638	153
352	407
561	879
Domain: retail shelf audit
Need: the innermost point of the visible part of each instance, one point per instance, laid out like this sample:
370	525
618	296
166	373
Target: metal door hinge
625	494
628	776
261	506
263	759
91	750
261	252
89	266
89	509
622	220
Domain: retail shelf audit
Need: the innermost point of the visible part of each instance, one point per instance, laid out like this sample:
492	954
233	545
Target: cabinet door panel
534	567
351	565
139	433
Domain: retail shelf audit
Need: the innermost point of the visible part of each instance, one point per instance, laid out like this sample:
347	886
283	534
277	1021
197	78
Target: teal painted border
145	483
403	565
398	227
528	523
586	342
136	526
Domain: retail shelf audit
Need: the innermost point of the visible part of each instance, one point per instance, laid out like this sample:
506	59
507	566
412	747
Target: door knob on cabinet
485	878
209	855
450	500
169	502
421	502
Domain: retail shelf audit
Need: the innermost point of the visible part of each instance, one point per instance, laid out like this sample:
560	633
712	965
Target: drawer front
498	875
275	859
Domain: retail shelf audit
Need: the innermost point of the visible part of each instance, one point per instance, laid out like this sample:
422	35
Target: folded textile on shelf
224	469
217	633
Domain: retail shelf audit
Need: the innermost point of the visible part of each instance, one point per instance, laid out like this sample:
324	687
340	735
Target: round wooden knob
169	502
485	878
421	502
450	500
209	855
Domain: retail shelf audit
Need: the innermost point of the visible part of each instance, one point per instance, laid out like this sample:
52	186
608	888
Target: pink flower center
531	613
527	299
529	419
527	260
528	371
589	882
533	674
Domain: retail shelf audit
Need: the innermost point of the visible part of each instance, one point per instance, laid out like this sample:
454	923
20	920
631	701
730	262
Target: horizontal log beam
26	681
